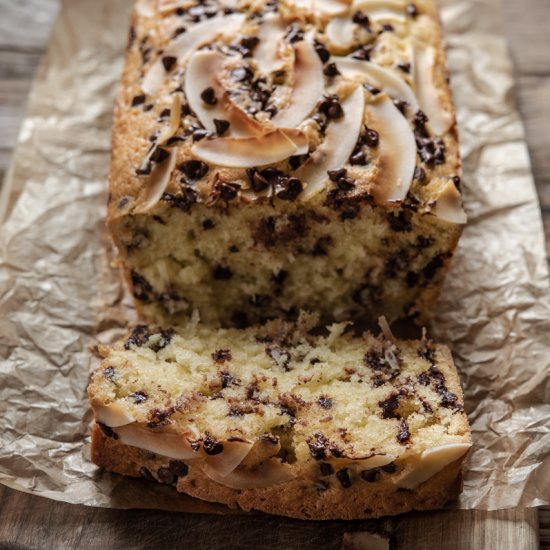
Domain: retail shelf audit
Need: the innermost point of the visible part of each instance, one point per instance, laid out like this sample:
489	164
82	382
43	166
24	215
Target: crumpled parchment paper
58	292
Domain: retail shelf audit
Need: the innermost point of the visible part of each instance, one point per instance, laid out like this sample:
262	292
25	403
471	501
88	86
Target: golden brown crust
293	499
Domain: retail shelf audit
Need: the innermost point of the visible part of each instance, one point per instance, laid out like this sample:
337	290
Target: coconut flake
112	415
431	462
385	328
268	473
382	10
202	72
429	98
185	44
397	150
246	152
234	452
331	7
308	87
267	53
170	444
340	139
448	206
340	31
364	540
379	77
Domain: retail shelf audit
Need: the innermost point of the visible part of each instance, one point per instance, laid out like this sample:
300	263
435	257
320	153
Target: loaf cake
285	418
275	155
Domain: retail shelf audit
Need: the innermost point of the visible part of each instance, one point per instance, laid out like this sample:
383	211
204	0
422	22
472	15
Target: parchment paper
57	291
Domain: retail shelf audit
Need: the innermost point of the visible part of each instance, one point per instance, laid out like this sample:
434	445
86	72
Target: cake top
346	401
311	100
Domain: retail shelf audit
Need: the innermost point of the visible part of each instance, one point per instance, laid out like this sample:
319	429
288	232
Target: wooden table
32	522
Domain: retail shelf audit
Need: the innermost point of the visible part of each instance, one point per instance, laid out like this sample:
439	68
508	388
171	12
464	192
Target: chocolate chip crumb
221	355
139	337
325	402
317	446
343	477
403	434
138	397
166	476
208	95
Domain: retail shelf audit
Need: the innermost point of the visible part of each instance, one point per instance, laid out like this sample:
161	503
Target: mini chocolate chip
146	474
221	355
386	27
138	100
240	74
412	10
208	95
322	51
166	476
107	430
259	182
326	469
361	19
371	138
346	184
228	191
294	34
403	434
325	402
178	31
335	175
159	155
419	174
194	169
371	475
358	159
178	468
363	52
389	468
250	42
200	133
138	397
290	189
372	89
165	113
139	337
168	62
212	446
318	446
456	181
330	106
331	70
404	66
343	477
221	126
208	224
222	273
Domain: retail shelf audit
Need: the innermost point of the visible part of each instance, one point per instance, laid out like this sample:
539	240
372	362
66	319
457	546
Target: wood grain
32	522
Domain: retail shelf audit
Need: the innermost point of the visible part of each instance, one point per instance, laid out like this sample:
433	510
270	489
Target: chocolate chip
166	476
208	224
386	27
108	431
325	402
371	137
400	221
371	475
343	477
200	133
146	474
404	66
412	279
335	175
412	10
346	184
222	273
208	95
389	468
178	31
221	126
419	174
363	53
178	468
403	434
168	62
221	355
139	337
326	469
249	43
241	74
294	34
330	106
138	397
456	181
358	159
331	70
389	406
372	89
322	51
159	155
165	113
289	189
109	373
318	446
138	100
259	183
228	191
361	19
194	169
211	446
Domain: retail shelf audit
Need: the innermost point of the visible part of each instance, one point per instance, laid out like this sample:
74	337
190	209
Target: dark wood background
32	522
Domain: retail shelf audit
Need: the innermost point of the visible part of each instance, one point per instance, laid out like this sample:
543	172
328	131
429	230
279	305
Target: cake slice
272	156
284	418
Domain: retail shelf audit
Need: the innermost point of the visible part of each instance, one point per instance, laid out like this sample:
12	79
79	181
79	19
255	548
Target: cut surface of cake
284	418
271	156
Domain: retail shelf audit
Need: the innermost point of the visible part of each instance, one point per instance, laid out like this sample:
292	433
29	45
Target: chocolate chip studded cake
277	155
284	418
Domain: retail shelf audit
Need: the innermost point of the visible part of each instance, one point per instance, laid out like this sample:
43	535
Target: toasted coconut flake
432	461
385	328
185	44
331	7
268	52
299	139
379	77
157	182
144	9
202	71
234	452
340	139
429	98
340	32
307	88
170	444
397	150
112	415
175	121
382	10
362	462
268	473
246	152
449	205
364	540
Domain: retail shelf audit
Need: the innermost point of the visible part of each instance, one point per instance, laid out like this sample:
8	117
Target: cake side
280	419
371	231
